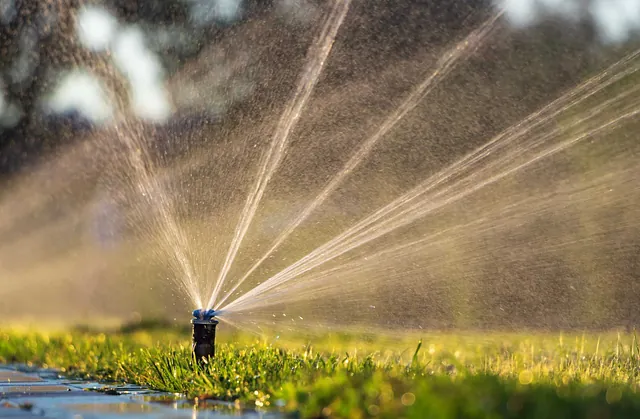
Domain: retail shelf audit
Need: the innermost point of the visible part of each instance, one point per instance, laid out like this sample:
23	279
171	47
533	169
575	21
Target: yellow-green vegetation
440	376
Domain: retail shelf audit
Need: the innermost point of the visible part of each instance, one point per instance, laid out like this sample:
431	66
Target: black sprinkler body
204	334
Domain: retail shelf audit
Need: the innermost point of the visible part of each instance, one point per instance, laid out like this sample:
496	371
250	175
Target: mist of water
316	250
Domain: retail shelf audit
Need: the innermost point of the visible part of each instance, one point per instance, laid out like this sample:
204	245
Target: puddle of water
53	396
206	408
64	401
16	414
128	389
50	375
34	389
171	400
86	385
118	408
8	376
118	391
176	401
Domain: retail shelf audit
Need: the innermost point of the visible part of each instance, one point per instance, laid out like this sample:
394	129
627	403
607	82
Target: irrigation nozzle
204	334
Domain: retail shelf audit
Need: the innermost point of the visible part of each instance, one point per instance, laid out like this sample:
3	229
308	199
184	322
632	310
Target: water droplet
408	399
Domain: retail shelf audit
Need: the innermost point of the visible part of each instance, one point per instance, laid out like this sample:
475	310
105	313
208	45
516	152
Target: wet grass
442	376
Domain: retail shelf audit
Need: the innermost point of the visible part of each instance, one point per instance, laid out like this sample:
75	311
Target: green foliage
492	376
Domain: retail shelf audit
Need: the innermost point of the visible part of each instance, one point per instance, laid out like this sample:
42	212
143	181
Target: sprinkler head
204	334
204	314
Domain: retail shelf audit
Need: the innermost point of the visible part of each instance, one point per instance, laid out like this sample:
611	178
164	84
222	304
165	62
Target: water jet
204	334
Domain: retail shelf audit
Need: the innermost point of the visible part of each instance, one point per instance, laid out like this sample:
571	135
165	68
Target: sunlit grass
443	376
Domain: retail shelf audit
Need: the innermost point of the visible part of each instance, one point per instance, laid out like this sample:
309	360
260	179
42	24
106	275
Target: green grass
445	376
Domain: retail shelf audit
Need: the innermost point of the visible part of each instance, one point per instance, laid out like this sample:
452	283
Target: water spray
204	334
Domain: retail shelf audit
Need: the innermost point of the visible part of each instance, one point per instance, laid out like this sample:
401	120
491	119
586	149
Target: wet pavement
44	394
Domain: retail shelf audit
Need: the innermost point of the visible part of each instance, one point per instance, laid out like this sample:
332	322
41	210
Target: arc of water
424	207
348	267
129	132
150	188
302	291
400	250
577	95
468	183
277	280
319	52
305	289
447	64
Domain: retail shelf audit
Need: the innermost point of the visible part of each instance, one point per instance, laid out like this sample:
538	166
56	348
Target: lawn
463	375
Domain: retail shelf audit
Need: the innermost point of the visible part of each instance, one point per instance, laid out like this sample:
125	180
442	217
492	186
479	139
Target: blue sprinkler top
204	314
